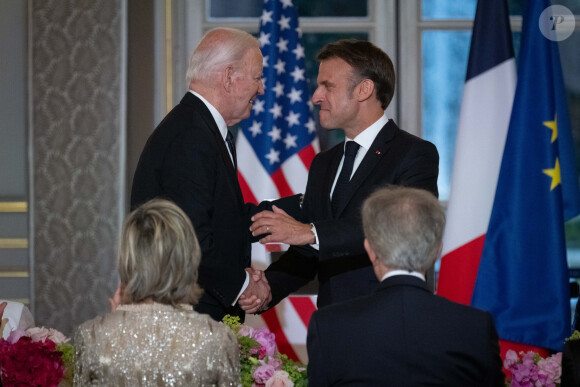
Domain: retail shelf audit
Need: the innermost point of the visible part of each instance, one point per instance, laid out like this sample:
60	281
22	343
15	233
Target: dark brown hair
368	61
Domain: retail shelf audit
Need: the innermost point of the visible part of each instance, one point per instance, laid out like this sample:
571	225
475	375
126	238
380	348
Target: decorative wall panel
77	131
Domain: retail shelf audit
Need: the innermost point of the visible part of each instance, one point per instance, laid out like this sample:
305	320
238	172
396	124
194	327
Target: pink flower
280	379
263	373
261	352
275	362
30	363
246	330
57	336
41	334
511	357
37	334
266	339
15	335
531	370
551	368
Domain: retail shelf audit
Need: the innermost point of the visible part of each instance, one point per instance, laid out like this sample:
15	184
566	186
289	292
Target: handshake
279	227
257	295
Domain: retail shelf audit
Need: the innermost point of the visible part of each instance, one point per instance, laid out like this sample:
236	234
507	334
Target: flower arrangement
532	370
260	362
36	357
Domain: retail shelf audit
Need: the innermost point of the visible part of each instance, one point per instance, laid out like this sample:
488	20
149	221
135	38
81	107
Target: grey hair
404	227
219	48
159	255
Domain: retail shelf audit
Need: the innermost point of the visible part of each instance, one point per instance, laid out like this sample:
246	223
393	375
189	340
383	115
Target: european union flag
523	275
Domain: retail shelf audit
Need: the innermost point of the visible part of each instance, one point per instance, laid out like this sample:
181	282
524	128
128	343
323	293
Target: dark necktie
232	146
341	189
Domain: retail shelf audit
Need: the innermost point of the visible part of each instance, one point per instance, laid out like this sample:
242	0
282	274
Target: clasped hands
257	295
281	228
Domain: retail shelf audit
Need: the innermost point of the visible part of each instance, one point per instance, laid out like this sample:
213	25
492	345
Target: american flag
275	147
277	143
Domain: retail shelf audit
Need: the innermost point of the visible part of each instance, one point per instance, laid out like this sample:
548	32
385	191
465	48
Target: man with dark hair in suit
190	159
402	334
356	82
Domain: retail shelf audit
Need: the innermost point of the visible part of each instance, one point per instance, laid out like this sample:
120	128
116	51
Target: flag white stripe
260	181
316	145
295	173
483	125
294	329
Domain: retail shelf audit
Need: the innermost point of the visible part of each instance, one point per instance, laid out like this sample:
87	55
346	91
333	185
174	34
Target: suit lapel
331	174
198	105
373	156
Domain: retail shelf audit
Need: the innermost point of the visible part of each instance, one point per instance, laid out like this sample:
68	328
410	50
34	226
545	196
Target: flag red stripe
273	324
306	155
246	190
281	183
459	271
304	307
271	247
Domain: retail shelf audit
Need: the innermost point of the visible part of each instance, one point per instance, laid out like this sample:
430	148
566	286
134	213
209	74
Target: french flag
488	96
514	184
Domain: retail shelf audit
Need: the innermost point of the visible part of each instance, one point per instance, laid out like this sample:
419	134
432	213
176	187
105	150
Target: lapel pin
378	152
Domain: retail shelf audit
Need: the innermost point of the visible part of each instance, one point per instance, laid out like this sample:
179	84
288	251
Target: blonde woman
154	338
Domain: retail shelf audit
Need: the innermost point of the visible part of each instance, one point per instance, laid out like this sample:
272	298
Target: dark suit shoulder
329	153
402	136
460	308
183	118
364	306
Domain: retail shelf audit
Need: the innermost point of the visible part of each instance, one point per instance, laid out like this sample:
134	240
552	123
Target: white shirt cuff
244	286
316	244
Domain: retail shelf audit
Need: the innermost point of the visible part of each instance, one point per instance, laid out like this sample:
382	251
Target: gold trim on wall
13	243
13	206
13	274
168	55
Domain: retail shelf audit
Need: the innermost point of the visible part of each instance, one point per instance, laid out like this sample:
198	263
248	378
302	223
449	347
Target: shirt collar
217	117
367	136
403	272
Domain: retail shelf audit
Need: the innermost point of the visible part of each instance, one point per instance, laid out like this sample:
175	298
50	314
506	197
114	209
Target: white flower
279	379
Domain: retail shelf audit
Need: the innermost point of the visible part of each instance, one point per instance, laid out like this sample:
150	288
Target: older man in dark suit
402	334
356	82
190	159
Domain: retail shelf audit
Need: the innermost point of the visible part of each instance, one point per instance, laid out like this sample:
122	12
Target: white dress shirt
393	273
365	139
219	120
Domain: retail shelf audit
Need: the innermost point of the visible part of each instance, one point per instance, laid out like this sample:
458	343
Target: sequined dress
155	345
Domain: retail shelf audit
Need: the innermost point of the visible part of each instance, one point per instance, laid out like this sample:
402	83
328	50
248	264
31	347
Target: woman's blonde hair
159	255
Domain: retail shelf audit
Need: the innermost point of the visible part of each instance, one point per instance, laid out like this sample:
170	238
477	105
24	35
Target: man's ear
365	90
228	78
370	252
